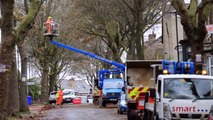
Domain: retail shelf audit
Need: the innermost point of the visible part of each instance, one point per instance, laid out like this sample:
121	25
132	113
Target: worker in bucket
59	97
48	25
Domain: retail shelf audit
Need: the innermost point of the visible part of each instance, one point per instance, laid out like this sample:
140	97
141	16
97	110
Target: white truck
179	95
182	97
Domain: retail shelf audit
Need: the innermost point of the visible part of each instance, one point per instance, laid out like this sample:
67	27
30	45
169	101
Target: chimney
151	37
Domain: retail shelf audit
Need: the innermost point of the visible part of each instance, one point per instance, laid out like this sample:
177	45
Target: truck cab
111	84
184	96
112	90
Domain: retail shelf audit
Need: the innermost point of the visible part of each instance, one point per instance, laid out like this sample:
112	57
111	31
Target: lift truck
110	89
176	94
113	87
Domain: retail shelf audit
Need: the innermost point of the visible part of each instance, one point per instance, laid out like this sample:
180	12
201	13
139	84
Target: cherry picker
111	88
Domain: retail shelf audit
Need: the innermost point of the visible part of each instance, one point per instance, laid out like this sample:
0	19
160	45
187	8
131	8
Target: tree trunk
197	48
21	32
23	85
6	55
131	52
23	96
52	83
211	22
139	49
44	84
13	100
115	55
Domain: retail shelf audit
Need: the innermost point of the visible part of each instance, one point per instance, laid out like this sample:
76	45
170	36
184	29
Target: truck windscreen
113	84
188	88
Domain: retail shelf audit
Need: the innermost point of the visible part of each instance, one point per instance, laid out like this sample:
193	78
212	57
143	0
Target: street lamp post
177	35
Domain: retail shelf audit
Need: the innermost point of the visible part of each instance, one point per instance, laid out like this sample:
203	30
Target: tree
21	33
137	17
100	22
12	37
193	18
89	67
6	59
122	23
49	59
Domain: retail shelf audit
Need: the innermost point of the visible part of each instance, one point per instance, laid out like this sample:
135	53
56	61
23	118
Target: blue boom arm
119	65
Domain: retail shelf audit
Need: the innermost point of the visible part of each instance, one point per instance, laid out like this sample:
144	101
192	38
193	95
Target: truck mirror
123	89
129	81
157	99
152	92
96	81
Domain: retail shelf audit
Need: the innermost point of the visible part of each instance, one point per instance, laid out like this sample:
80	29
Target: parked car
122	106
68	96
52	97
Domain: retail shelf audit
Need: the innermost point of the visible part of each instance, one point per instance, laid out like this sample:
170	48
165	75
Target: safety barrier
76	101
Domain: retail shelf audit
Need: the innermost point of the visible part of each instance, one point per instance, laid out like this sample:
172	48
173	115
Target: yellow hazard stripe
135	92
145	89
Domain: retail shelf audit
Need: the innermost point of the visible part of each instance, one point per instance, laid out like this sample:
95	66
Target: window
159	87
188	88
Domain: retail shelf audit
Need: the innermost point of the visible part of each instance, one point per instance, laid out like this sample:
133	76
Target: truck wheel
130	115
155	117
120	112
96	101
103	104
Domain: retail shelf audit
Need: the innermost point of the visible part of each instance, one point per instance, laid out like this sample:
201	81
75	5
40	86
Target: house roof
79	86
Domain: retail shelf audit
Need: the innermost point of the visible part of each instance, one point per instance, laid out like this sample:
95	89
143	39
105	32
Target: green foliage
34	91
34	8
207	10
113	29
192	12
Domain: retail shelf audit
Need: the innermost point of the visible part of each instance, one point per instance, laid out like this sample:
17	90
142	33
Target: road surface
83	112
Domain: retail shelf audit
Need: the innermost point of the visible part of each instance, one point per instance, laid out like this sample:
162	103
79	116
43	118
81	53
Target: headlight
167	112
123	103
104	94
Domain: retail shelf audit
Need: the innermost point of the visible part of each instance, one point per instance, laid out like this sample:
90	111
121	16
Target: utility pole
177	35
211	21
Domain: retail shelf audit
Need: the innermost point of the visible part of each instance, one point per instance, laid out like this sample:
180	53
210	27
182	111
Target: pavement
36	110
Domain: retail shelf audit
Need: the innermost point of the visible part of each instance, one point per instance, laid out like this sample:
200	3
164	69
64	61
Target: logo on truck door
187	109
183	109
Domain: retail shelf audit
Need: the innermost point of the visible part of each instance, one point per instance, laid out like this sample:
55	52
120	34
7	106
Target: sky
187	1
157	29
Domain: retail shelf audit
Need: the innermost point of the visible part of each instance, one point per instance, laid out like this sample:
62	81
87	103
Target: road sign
30	83
209	28
2	68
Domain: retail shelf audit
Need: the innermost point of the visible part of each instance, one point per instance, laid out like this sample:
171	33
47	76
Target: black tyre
103	104
130	115
156	118
118	111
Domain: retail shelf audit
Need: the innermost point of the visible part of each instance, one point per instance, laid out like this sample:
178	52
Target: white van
69	95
